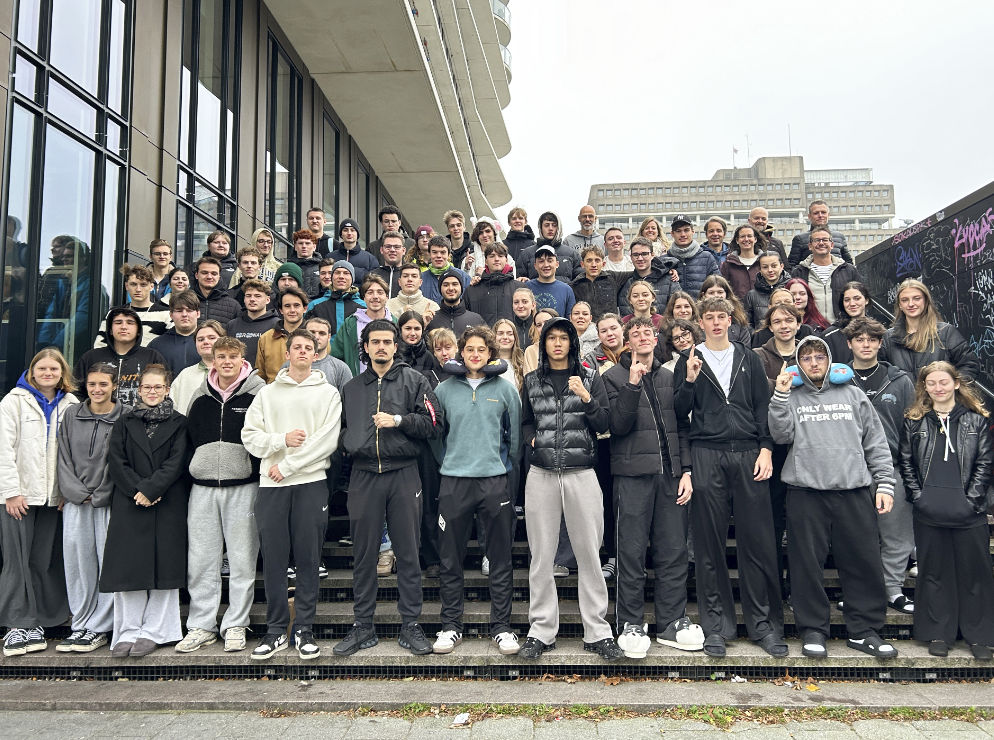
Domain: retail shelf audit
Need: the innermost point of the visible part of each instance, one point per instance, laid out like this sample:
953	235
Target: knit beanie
289	268
344	264
348	222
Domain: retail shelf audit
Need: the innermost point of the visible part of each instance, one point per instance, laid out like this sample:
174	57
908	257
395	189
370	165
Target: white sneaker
196	639
682	634
234	639
507	643
634	640
446	642
485	566
560	571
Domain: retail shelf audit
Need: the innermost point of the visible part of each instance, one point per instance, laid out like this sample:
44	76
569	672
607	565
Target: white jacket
185	386
28	457
313	405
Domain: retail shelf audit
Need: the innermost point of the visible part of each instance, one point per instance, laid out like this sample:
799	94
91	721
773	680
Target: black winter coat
951	347
218	306
310	270
517	241
757	300
491	297
635	443
800	248
401	391
457	318
693	271
569	261
974	451
658	278
564	429
601	294
360	259
146	546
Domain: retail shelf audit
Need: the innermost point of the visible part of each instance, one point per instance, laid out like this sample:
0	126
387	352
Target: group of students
606	408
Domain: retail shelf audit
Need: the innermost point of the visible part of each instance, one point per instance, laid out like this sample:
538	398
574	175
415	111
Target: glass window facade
66	156
329	175
283	135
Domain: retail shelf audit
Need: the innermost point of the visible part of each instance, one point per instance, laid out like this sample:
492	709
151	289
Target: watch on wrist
397	418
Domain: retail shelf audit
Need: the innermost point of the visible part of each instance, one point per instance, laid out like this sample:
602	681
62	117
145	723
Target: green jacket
345	345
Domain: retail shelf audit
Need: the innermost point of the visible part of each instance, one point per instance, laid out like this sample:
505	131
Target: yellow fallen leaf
813	687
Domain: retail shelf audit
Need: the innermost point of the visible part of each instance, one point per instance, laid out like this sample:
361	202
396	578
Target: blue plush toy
838	374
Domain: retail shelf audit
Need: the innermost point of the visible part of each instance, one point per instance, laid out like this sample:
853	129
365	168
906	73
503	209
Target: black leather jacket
974	451
951	347
564	428
401	391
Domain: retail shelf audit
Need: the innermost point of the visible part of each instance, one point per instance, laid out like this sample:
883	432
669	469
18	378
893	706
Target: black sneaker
66	646
358	638
307	648
533	648
36	640
269	645
606	648
412	638
322	570
89	642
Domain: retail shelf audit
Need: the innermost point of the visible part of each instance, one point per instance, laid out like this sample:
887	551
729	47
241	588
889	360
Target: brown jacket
271	355
773	361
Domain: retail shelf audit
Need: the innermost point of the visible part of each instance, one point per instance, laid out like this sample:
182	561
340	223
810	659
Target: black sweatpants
778	505
845	522
396	497
430	478
723	485
459	499
33	578
606	481
955	587
648	516
291	517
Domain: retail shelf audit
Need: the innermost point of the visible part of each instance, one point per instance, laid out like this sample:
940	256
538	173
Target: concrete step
478	658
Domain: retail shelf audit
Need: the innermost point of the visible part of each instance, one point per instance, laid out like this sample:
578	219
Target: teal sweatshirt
483	426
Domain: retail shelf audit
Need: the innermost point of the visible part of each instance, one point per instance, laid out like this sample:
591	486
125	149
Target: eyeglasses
821	241
808	359
682	337
152	388
640	255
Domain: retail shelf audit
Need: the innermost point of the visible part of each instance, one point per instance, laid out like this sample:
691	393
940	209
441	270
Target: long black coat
146	547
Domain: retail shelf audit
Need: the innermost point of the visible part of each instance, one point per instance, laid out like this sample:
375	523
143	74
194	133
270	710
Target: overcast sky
635	90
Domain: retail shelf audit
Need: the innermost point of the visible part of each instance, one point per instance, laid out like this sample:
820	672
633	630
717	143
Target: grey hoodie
838	442
83	441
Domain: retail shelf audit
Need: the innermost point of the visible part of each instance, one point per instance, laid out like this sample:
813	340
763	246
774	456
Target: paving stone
757	731
822	729
883	729
197	724
944	727
378	728
684	725
324	726
251	724
987	726
505	728
566	729
641	728
430	728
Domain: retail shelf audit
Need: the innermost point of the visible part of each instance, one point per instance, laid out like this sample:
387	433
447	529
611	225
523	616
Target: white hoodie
282	406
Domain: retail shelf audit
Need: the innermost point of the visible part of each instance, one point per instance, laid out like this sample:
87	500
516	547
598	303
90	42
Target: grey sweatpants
217	517
153	615
897	540
84	532
548	496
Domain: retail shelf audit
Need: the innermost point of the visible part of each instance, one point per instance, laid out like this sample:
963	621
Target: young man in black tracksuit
650	462
387	407
724	387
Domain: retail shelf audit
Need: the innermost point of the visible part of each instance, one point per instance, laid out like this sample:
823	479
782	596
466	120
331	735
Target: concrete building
860	208
131	120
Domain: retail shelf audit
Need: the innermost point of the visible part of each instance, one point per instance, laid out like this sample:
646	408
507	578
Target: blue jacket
179	352
483	426
430	284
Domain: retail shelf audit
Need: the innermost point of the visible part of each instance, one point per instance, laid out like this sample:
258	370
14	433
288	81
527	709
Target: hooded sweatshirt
837	440
757	300
518	241
248	330
83	441
282	406
129	365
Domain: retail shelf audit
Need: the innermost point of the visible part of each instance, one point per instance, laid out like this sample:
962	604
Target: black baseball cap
681	220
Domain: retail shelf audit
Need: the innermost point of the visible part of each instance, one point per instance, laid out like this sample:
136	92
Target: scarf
684	253
436	271
152	416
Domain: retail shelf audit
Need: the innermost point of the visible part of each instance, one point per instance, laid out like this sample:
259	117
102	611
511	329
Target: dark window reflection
329	190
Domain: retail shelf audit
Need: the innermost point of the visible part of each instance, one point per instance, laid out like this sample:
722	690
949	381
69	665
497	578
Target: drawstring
944	423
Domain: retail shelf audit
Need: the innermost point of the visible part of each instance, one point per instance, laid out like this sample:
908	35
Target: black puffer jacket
635	443
569	259
973	451
457	318
564	429
601	293
951	347
757	300
310	269
658	278
491	297
218	306
800	248
401	391
517	241
420	358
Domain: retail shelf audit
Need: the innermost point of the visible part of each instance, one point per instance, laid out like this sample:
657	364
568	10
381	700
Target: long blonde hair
659	227
927	333
66	382
517	360
965	395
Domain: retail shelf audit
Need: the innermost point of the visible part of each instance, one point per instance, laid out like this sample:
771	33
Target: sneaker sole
267	656
364	645
444	650
63	648
508	651
35	648
308	656
636	656
814	653
86	648
691	647
407	646
11	652
196	647
234	647
872	652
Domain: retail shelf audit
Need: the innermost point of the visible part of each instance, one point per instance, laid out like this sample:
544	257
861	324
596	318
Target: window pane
279	161
25	77
362	199
76	40
67	106
63	317
329	190
115	79
16	256
112	188
28	20
210	87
